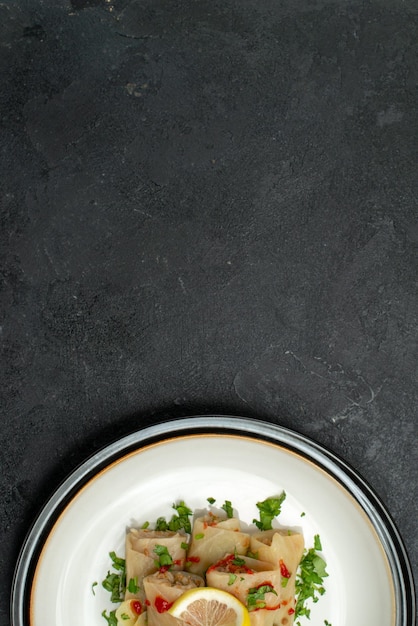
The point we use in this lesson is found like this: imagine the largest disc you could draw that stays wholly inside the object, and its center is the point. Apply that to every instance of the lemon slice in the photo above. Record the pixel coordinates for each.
(207, 606)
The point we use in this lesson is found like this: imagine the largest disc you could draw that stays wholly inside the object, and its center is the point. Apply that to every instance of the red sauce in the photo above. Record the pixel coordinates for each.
(228, 564)
(162, 605)
(283, 570)
(194, 559)
(291, 611)
(136, 607)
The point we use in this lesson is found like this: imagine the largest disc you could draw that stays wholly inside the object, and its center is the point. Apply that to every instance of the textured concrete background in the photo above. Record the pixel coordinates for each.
(207, 207)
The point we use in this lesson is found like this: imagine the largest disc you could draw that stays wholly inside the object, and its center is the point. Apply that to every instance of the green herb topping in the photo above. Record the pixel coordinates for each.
(111, 618)
(115, 583)
(269, 509)
(309, 579)
(164, 557)
(177, 522)
(133, 586)
(227, 507)
(237, 560)
(255, 597)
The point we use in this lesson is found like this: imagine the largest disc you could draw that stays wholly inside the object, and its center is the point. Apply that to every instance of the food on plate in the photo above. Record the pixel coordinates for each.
(146, 551)
(253, 582)
(179, 572)
(212, 537)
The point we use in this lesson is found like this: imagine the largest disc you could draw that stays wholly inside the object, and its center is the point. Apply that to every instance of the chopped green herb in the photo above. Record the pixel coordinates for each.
(232, 579)
(182, 519)
(303, 514)
(184, 545)
(111, 618)
(227, 507)
(199, 536)
(327, 623)
(145, 525)
(252, 555)
(93, 586)
(161, 524)
(177, 522)
(256, 596)
(125, 616)
(133, 586)
(164, 557)
(117, 562)
(269, 509)
(284, 582)
(115, 583)
(211, 500)
(309, 579)
(237, 560)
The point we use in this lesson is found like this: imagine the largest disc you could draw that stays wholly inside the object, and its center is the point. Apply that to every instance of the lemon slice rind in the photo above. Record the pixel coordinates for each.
(210, 594)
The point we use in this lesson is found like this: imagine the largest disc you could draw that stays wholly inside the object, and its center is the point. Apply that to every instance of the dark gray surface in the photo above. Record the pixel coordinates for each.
(207, 207)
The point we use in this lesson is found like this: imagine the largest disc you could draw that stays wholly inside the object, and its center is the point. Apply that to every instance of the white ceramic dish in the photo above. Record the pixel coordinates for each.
(137, 479)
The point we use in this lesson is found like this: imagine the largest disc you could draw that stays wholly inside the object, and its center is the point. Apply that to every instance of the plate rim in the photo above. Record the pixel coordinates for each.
(371, 504)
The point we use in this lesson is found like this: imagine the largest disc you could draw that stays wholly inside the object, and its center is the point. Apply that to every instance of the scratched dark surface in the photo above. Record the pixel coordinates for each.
(207, 207)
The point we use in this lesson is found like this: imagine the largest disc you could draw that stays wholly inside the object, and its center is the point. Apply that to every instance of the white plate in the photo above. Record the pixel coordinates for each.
(138, 478)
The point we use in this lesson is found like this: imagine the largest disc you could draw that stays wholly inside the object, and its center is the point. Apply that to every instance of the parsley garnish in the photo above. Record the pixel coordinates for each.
(177, 522)
(93, 586)
(117, 561)
(309, 579)
(164, 557)
(232, 579)
(133, 586)
(237, 560)
(211, 500)
(252, 555)
(269, 509)
(227, 507)
(255, 597)
(115, 583)
(111, 618)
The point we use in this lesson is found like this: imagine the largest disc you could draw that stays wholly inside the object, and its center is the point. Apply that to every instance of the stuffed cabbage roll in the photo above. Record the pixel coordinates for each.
(278, 546)
(212, 537)
(255, 583)
(284, 551)
(149, 550)
(162, 589)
